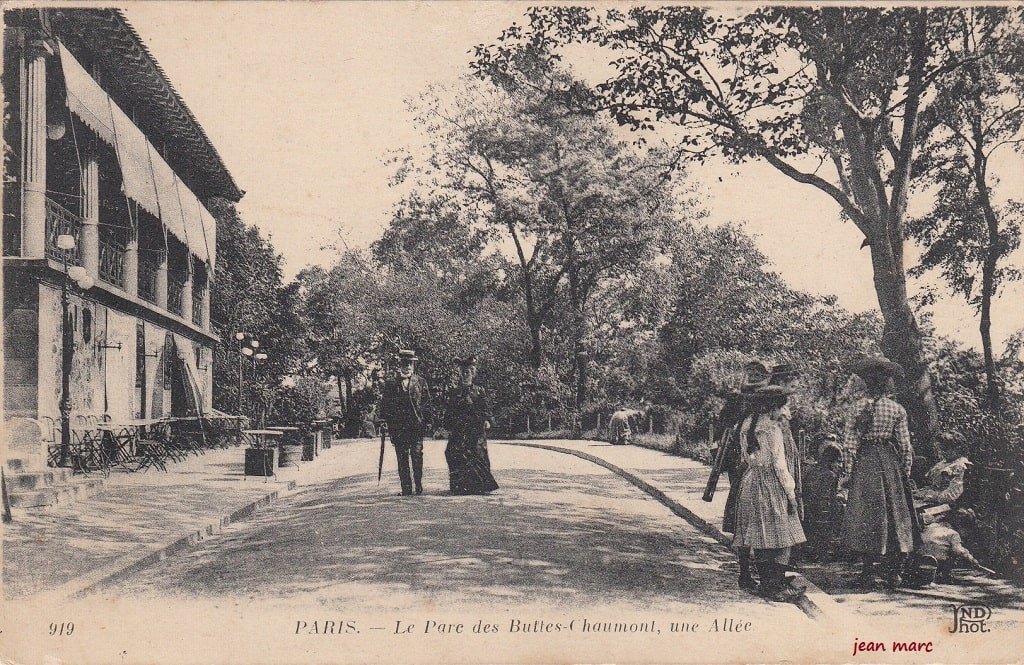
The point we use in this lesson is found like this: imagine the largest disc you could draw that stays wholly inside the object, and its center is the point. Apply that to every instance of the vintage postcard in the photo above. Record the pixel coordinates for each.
(510, 332)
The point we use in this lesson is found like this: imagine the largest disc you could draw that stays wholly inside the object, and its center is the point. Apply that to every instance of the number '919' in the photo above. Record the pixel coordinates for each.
(65, 628)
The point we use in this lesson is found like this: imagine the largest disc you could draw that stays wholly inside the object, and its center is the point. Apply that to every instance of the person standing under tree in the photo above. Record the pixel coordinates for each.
(405, 407)
(468, 417)
(766, 515)
(880, 521)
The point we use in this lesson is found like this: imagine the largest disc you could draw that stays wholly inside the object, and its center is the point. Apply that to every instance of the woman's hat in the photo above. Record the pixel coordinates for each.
(468, 361)
(876, 366)
(406, 355)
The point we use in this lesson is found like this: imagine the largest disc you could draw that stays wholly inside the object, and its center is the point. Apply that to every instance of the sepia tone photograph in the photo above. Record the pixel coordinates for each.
(503, 332)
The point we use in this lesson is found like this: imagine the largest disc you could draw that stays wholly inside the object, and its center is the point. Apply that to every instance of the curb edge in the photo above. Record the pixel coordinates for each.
(814, 601)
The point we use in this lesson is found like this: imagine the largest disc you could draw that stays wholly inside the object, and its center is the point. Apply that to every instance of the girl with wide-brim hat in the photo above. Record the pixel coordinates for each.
(767, 519)
(880, 521)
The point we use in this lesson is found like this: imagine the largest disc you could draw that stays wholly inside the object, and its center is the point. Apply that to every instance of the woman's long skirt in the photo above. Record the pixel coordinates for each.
(762, 513)
(469, 466)
(880, 516)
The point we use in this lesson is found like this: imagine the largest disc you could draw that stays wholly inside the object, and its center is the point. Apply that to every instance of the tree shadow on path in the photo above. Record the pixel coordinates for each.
(545, 537)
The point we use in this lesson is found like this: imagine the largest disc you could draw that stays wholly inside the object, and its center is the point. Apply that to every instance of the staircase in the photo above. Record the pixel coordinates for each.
(51, 487)
(29, 482)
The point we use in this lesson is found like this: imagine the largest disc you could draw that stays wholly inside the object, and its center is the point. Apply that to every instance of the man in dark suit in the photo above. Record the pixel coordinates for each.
(406, 408)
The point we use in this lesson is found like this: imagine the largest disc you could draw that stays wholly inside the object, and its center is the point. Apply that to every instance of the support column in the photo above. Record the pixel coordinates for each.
(131, 263)
(33, 213)
(205, 318)
(91, 215)
(186, 290)
(161, 281)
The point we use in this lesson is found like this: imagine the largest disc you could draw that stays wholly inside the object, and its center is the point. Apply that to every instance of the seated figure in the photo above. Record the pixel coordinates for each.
(941, 547)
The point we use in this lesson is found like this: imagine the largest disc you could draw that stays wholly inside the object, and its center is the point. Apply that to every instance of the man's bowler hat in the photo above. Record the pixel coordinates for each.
(406, 355)
(468, 361)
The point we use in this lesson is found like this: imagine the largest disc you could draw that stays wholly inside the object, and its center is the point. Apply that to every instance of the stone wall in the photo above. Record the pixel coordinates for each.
(103, 380)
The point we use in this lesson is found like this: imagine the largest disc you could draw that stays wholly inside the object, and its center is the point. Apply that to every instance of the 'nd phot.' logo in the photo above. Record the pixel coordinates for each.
(970, 618)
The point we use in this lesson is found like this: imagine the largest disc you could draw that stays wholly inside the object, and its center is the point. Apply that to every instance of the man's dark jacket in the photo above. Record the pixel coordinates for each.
(406, 410)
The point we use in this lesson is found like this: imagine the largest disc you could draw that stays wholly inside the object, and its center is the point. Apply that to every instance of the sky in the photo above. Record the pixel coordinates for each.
(305, 100)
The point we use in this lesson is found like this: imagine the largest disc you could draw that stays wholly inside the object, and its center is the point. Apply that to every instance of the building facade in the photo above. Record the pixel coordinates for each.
(100, 147)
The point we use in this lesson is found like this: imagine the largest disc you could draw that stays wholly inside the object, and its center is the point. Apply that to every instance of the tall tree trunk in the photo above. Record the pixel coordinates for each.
(536, 349)
(988, 272)
(985, 328)
(903, 343)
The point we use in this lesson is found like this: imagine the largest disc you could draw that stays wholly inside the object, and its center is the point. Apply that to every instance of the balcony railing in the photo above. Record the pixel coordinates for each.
(175, 288)
(112, 263)
(61, 221)
(147, 281)
(197, 306)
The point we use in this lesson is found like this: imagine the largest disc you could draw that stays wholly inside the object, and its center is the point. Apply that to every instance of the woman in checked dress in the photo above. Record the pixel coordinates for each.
(880, 521)
(766, 517)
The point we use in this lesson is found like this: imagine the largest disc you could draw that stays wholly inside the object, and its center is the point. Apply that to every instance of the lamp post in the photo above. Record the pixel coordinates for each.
(259, 357)
(247, 345)
(66, 243)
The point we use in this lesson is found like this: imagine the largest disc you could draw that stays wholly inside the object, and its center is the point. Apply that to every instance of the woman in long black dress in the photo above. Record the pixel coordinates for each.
(468, 417)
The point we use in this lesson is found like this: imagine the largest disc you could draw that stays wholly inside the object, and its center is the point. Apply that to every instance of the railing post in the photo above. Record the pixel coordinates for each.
(91, 215)
(33, 212)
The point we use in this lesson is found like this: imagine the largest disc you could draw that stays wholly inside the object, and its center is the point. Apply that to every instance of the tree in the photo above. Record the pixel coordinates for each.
(576, 204)
(797, 88)
(249, 296)
(977, 110)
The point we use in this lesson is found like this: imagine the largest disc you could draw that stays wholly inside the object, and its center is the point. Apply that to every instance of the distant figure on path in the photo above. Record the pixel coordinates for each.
(618, 427)
(766, 515)
(405, 407)
(880, 521)
(468, 417)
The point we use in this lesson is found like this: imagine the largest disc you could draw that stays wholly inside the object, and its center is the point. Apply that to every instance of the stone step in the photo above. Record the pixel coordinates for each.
(56, 496)
(37, 480)
(22, 463)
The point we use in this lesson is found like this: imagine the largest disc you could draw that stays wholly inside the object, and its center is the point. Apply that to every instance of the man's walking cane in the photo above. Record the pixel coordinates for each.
(380, 464)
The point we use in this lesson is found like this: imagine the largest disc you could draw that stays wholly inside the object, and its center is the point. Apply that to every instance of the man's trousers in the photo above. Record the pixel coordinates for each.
(409, 450)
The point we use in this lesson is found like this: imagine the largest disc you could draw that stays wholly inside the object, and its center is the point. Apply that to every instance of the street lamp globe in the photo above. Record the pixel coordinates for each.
(85, 283)
(247, 351)
(239, 336)
(255, 343)
(261, 356)
(77, 273)
(65, 242)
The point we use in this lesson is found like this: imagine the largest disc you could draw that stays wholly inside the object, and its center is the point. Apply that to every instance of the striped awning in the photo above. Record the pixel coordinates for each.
(148, 180)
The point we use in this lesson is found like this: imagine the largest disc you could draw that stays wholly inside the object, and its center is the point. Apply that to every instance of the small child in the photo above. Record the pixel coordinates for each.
(821, 507)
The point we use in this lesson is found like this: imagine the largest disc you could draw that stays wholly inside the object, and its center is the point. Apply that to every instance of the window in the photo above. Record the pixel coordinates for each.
(86, 324)
(140, 355)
